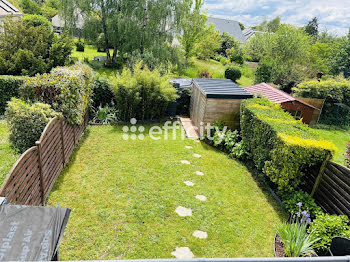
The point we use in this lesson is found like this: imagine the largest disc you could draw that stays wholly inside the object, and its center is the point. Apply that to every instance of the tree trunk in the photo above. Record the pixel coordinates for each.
(104, 26)
(114, 58)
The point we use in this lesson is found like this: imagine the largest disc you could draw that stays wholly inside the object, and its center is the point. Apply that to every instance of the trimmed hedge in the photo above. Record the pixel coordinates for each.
(9, 87)
(233, 73)
(26, 122)
(282, 147)
(66, 89)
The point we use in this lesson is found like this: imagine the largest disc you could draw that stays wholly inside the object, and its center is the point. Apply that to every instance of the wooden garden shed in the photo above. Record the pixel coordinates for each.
(216, 100)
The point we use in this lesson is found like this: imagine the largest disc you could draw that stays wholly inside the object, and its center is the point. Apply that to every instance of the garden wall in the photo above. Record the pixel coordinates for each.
(34, 174)
(331, 188)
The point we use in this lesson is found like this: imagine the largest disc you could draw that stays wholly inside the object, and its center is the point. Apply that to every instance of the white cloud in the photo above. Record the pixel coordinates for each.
(333, 15)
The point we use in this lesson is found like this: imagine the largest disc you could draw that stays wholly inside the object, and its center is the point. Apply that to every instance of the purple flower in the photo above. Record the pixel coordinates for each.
(307, 215)
(304, 213)
(298, 214)
(308, 220)
(302, 220)
(299, 204)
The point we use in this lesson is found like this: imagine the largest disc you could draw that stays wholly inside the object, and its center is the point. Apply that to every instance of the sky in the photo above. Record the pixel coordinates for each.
(333, 15)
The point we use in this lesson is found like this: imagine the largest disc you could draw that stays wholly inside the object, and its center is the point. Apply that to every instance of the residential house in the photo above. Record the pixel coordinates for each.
(228, 26)
(7, 10)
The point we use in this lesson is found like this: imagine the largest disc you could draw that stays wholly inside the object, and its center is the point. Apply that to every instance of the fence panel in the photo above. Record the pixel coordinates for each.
(34, 174)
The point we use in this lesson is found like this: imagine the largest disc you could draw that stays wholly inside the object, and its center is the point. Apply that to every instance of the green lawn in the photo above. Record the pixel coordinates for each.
(340, 137)
(7, 155)
(123, 196)
(217, 70)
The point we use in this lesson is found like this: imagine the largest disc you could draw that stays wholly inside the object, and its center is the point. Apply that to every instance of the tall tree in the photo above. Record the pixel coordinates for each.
(193, 26)
(312, 28)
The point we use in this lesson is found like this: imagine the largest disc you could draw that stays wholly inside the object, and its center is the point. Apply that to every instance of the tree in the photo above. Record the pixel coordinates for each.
(274, 24)
(227, 42)
(312, 28)
(210, 42)
(241, 25)
(192, 25)
(340, 55)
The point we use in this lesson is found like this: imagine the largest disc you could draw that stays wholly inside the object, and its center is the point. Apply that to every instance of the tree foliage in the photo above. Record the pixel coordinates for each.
(312, 28)
(209, 44)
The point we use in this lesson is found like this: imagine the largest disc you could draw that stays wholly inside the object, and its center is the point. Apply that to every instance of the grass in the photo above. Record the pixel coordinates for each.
(217, 70)
(123, 195)
(7, 155)
(340, 137)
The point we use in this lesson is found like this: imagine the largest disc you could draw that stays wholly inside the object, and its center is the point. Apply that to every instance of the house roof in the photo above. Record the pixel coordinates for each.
(249, 32)
(58, 20)
(229, 26)
(221, 89)
(7, 9)
(273, 94)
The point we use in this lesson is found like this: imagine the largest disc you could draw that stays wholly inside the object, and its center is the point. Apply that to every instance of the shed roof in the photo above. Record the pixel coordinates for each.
(7, 9)
(228, 26)
(221, 89)
(273, 94)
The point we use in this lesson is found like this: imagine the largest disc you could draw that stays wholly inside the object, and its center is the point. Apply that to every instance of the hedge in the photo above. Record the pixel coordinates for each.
(282, 147)
(9, 87)
(333, 91)
(66, 89)
(26, 122)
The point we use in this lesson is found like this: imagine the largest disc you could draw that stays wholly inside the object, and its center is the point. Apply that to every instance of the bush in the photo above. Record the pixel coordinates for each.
(26, 122)
(105, 115)
(284, 148)
(102, 94)
(205, 74)
(36, 20)
(143, 95)
(299, 199)
(9, 87)
(334, 91)
(183, 101)
(347, 155)
(236, 55)
(66, 89)
(264, 73)
(325, 227)
(80, 46)
(233, 73)
(29, 46)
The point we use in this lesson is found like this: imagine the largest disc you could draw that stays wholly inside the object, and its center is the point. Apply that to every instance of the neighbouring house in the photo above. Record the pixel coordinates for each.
(250, 32)
(59, 23)
(7, 10)
(228, 26)
(298, 108)
(216, 100)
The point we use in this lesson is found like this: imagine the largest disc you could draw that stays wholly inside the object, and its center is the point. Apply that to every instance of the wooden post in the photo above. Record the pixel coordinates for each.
(62, 141)
(75, 142)
(320, 175)
(42, 184)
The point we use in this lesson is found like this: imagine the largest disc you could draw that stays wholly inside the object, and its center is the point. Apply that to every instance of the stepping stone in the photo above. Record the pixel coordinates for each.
(185, 162)
(183, 253)
(183, 211)
(201, 198)
(200, 234)
(197, 155)
(189, 183)
(188, 147)
(199, 173)
(197, 141)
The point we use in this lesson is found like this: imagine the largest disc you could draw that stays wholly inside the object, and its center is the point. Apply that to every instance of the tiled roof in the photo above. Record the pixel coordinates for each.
(7, 9)
(229, 26)
(249, 32)
(273, 94)
(221, 88)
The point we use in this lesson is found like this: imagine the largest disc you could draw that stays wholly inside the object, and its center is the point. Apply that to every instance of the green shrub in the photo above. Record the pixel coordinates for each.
(36, 20)
(105, 115)
(233, 73)
(264, 73)
(143, 95)
(80, 46)
(26, 122)
(236, 55)
(333, 91)
(9, 87)
(281, 146)
(296, 241)
(66, 89)
(102, 94)
(183, 101)
(299, 200)
(325, 227)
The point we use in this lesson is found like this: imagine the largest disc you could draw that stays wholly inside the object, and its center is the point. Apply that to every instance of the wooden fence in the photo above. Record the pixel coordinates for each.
(330, 186)
(34, 174)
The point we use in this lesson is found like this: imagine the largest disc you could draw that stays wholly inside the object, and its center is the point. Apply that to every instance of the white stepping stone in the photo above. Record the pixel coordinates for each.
(200, 234)
(201, 198)
(189, 183)
(199, 173)
(197, 155)
(188, 147)
(197, 141)
(183, 253)
(185, 162)
(183, 211)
